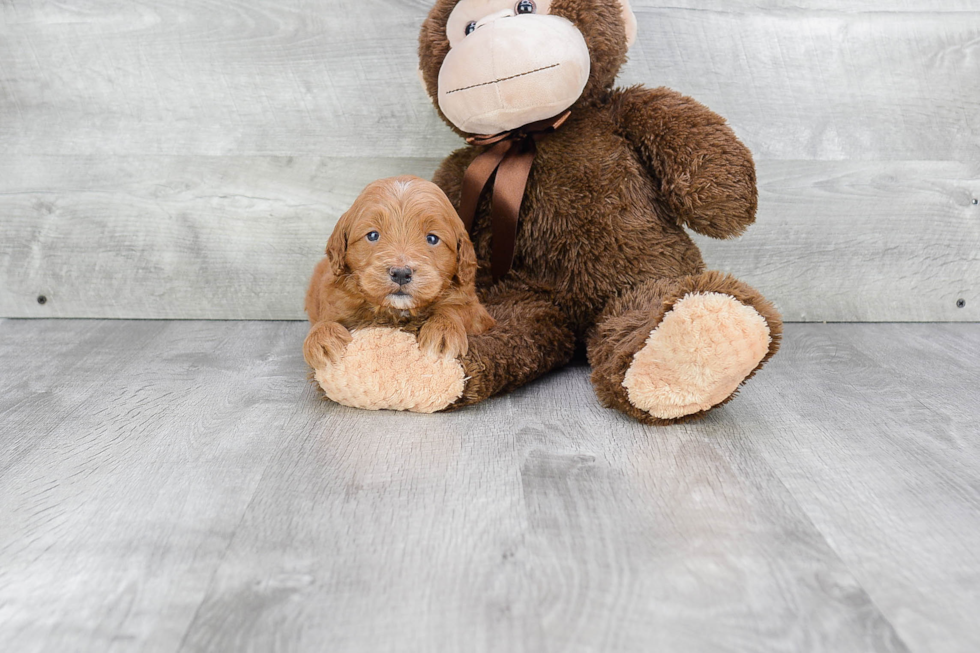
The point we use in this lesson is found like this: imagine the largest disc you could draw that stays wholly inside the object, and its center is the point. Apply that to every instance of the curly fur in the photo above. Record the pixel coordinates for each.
(352, 286)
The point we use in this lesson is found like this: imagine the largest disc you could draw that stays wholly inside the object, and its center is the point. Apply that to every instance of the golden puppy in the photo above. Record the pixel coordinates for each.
(399, 257)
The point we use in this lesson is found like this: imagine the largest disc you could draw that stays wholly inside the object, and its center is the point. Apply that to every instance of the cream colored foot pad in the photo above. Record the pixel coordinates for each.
(697, 356)
(384, 369)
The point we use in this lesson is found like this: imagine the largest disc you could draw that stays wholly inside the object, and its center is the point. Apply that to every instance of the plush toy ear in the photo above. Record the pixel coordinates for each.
(425, 88)
(629, 18)
(337, 245)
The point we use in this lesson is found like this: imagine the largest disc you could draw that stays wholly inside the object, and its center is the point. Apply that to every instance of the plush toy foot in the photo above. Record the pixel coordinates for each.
(384, 369)
(697, 356)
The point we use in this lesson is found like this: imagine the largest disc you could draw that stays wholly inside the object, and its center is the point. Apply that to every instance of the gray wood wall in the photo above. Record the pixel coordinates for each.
(188, 159)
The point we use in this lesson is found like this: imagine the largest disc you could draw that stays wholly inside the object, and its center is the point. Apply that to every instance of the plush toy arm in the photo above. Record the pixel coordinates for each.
(706, 175)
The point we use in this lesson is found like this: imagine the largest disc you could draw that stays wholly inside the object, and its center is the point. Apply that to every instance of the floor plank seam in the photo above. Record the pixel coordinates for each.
(217, 566)
(805, 514)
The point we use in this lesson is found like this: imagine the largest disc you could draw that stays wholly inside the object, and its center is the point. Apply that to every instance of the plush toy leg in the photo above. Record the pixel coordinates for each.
(672, 349)
(384, 369)
(529, 339)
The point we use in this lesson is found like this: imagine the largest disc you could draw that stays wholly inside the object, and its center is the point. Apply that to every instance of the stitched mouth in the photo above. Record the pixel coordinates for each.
(503, 79)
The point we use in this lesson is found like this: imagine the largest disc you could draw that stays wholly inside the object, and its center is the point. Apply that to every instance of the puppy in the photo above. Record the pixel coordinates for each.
(399, 257)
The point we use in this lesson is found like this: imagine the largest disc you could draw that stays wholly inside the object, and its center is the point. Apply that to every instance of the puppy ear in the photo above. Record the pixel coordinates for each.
(465, 276)
(337, 245)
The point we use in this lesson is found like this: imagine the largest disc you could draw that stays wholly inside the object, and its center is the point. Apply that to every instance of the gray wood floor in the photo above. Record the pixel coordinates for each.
(178, 486)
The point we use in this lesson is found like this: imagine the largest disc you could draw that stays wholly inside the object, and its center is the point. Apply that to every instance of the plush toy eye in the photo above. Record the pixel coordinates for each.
(432, 239)
(470, 27)
(525, 7)
(373, 236)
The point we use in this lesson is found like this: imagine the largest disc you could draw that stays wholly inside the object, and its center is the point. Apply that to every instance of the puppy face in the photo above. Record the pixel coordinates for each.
(402, 245)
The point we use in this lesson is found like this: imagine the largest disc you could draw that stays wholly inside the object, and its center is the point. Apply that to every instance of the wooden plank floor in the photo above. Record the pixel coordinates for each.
(179, 486)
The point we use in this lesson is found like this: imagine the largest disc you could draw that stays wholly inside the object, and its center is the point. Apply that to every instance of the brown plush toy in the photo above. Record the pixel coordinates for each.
(576, 195)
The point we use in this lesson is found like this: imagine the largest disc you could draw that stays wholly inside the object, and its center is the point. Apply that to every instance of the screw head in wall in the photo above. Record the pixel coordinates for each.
(960, 303)
(42, 300)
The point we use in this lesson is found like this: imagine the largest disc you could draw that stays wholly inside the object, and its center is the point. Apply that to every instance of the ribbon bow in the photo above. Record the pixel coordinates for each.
(511, 156)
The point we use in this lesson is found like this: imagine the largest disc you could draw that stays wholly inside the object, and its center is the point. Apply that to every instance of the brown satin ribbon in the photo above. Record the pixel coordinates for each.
(511, 155)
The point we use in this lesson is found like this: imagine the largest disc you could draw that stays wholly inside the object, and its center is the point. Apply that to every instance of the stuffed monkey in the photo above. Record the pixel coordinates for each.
(576, 195)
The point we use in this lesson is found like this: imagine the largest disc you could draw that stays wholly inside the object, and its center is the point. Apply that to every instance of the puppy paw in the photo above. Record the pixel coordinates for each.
(325, 343)
(442, 336)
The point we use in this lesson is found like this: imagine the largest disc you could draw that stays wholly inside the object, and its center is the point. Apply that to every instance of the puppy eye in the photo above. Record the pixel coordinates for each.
(373, 236)
(525, 7)
(432, 239)
(470, 27)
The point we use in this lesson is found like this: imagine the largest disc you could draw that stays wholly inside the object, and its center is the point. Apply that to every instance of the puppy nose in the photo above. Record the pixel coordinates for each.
(401, 276)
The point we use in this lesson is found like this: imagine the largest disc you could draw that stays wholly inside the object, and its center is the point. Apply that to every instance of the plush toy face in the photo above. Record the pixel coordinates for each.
(511, 63)
(502, 64)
